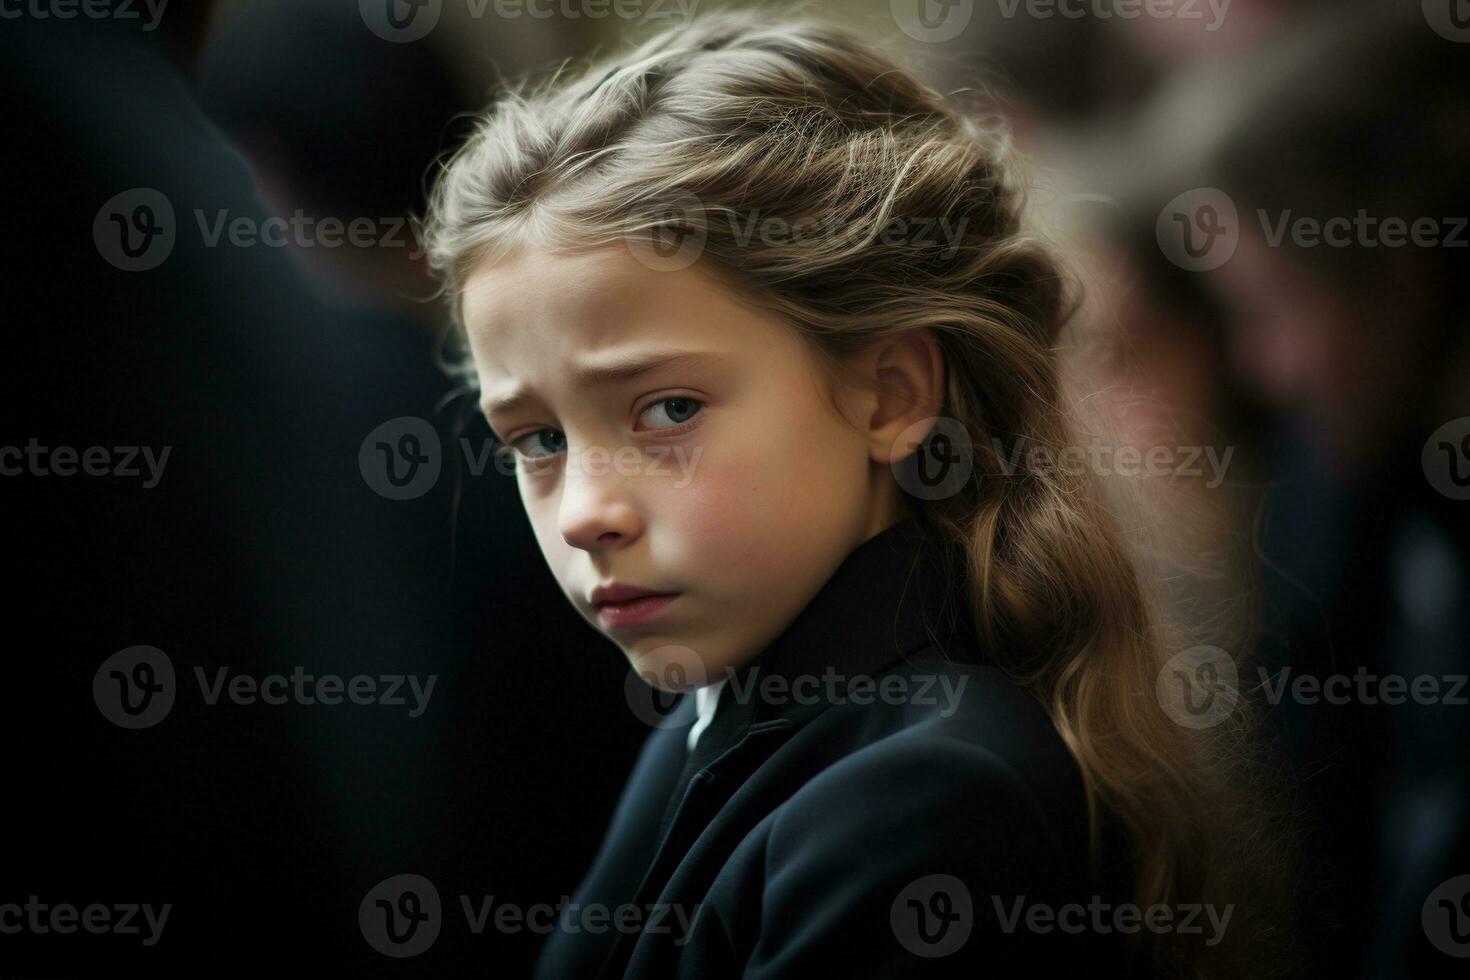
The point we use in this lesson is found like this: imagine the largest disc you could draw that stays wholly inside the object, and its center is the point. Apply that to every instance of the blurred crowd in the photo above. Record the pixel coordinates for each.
(1271, 223)
(1265, 202)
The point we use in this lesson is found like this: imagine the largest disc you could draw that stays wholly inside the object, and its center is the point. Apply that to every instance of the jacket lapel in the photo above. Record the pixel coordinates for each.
(897, 594)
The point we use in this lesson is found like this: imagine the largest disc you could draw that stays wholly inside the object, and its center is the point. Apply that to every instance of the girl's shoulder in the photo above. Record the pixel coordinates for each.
(951, 822)
(958, 748)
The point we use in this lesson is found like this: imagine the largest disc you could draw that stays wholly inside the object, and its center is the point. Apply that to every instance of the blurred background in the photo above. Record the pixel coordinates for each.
(222, 336)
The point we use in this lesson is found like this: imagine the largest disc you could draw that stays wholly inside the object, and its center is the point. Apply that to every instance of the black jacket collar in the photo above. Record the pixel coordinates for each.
(901, 591)
(897, 594)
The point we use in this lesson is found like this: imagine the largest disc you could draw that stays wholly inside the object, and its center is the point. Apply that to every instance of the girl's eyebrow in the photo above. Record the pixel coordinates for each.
(622, 367)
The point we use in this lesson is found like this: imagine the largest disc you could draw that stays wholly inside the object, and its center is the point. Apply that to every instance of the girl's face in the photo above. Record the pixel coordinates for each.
(670, 439)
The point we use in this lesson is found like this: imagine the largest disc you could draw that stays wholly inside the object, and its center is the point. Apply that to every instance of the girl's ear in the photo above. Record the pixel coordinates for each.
(903, 377)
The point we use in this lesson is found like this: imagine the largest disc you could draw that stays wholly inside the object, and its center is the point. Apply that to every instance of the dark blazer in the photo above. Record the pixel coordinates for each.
(805, 833)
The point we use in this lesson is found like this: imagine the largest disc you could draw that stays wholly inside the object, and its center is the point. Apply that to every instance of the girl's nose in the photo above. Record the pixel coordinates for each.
(598, 510)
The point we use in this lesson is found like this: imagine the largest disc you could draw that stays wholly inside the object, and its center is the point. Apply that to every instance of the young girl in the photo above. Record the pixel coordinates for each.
(755, 312)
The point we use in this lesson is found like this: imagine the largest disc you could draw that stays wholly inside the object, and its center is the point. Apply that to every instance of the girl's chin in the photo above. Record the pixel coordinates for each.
(669, 666)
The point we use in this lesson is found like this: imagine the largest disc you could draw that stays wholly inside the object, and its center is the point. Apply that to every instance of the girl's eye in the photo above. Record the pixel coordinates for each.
(541, 443)
(666, 413)
(676, 410)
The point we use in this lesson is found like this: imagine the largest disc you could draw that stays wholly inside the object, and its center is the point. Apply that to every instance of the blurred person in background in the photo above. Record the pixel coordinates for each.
(1071, 70)
(307, 94)
(1338, 370)
(1352, 334)
(337, 122)
(247, 552)
(265, 544)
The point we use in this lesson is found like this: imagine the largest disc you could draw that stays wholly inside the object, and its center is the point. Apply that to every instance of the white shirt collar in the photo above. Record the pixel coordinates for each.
(706, 699)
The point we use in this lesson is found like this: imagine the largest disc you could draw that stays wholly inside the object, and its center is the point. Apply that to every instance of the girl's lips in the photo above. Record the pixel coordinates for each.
(631, 612)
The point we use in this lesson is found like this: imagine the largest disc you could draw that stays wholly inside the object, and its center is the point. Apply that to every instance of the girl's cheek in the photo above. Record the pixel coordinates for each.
(703, 511)
(730, 518)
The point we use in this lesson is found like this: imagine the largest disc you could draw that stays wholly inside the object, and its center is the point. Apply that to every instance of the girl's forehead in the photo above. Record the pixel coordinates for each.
(583, 287)
(568, 304)
(589, 288)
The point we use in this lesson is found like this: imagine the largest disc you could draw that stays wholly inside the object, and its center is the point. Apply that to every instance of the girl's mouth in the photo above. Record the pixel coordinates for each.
(632, 612)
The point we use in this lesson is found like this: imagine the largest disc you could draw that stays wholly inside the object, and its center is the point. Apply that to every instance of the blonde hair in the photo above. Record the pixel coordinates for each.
(743, 114)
